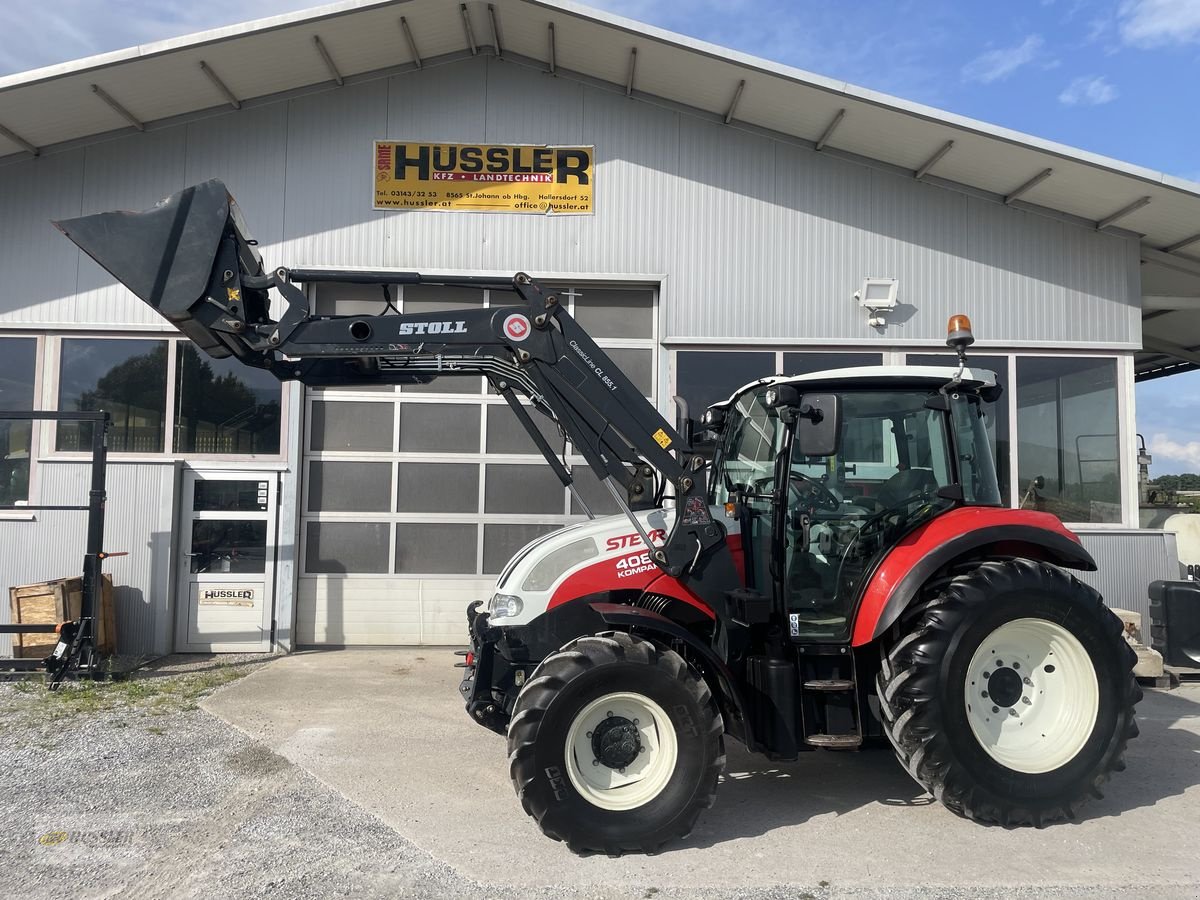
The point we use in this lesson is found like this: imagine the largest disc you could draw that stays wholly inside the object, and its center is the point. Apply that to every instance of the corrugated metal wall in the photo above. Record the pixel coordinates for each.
(755, 238)
(1128, 561)
(759, 238)
(139, 518)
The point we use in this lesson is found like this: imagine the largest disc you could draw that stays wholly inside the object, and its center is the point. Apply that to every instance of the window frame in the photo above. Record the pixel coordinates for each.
(483, 399)
(897, 356)
(51, 379)
(38, 427)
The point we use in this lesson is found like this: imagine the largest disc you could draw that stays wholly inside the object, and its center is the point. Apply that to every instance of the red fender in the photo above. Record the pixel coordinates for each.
(1014, 532)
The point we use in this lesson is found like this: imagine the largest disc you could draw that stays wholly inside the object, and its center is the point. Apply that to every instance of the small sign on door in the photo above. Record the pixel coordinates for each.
(245, 595)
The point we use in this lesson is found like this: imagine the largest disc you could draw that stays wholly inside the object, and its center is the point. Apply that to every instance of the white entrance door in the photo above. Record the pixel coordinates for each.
(227, 571)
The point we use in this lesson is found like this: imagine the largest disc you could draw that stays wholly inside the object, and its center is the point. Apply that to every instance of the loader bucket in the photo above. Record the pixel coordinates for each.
(168, 256)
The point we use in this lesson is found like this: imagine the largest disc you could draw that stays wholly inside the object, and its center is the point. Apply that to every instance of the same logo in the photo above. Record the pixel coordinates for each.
(516, 327)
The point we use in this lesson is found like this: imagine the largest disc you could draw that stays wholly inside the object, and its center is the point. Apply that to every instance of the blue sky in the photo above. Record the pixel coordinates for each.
(1112, 76)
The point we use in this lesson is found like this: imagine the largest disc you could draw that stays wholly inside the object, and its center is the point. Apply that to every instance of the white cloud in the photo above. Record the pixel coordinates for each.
(1155, 23)
(1088, 90)
(1163, 446)
(997, 64)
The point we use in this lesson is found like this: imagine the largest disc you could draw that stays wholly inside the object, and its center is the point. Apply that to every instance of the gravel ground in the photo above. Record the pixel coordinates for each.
(132, 790)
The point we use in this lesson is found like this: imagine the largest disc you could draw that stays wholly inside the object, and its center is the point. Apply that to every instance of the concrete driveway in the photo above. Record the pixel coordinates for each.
(386, 729)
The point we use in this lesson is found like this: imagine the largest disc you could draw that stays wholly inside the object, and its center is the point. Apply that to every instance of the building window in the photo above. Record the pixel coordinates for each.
(18, 360)
(441, 479)
(128, 379)
(1068, 449)
(224, 406)
(221, 407)
(705, 377)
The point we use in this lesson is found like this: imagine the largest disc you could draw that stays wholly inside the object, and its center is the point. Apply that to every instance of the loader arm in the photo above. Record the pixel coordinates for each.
(192, 259)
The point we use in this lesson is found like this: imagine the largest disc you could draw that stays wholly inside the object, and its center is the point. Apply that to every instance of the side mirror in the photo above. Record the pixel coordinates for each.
(818, 425)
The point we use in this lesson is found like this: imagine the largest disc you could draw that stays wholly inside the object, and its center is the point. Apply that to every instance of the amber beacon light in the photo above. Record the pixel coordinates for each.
(958, 333)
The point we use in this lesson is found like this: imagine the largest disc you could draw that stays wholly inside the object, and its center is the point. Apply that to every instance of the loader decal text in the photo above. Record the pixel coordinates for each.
(484, 178)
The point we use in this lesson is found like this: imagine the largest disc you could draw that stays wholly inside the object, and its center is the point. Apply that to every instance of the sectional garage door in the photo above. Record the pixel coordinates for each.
(416, 497)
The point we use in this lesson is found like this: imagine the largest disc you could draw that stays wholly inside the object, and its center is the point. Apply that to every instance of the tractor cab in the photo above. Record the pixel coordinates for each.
(825, 472)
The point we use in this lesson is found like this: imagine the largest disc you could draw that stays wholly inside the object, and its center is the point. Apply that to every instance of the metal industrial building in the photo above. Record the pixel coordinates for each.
(738, 207)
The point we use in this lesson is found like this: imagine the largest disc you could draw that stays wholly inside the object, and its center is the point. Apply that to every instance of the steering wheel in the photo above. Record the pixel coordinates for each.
(812, 494)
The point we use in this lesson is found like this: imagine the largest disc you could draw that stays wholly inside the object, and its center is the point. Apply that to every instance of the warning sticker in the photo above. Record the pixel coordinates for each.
(662, 439)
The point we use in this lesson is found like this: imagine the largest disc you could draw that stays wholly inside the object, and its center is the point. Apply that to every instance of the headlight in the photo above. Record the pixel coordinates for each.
(505, 606)
(550, 567)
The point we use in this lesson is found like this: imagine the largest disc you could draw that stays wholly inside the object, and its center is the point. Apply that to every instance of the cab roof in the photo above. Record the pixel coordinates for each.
(890, 377)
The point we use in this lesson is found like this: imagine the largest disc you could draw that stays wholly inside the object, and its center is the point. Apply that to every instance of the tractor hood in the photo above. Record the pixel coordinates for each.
(601, 555)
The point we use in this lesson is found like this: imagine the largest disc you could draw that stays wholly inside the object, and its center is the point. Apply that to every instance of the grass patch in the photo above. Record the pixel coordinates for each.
(151, 694)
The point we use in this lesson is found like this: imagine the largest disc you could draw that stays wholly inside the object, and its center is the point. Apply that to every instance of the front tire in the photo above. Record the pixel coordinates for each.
(615, 745)
(1010, 697)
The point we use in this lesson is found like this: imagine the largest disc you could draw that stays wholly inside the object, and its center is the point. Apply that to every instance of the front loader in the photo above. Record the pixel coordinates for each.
(827, 561)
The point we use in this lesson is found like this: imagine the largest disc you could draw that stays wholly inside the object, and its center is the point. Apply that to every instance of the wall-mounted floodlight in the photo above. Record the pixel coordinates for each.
(877, 296)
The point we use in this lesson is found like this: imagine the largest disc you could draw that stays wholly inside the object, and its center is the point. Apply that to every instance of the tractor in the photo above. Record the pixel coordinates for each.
(820, 562)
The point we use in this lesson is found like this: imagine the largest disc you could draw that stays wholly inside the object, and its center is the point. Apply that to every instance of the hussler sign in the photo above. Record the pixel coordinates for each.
(484, 178)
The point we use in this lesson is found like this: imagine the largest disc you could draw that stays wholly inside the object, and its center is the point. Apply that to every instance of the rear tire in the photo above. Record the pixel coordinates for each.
(1010, 695)
(592, 777)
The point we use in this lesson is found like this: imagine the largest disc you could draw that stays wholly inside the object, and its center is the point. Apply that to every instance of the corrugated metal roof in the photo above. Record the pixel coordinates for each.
(164, 80)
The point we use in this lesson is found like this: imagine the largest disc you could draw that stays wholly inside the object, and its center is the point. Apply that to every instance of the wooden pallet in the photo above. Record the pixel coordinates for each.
(50, 602)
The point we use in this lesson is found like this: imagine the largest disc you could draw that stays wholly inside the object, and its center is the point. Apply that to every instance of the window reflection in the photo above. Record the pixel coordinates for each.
(224, 406)
(17, 362)
(128, 379)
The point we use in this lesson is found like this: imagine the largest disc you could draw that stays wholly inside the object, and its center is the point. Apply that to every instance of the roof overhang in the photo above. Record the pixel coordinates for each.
(153, 85)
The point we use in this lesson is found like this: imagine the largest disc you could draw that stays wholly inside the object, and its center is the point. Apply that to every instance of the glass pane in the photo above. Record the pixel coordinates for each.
(615, 313)
(334, 299)
(995, 414)
(594, 492)
(349, 486)
(438, 487)
(638, 366)
(352, 425)
(506, 434)
(440, 548)
(522, 489)
(17, 365)
(422, 298)
(342, 547)
(230, 496)
(439, 428)
(501, 542)
(223, 406)
(447, 384)
(16, 438)
(220, 546)
(705, 377)
(807, 363)
(1067, 437)
(128, 378)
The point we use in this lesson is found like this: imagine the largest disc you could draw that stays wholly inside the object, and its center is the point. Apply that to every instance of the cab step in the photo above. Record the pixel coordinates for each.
(834, 741)
(829, 684)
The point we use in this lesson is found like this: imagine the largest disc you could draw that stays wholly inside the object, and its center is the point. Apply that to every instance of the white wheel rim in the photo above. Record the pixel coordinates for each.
(642, 779)
(1032, 695)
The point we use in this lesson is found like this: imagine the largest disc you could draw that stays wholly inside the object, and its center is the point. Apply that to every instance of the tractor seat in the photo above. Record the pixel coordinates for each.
(905, 484)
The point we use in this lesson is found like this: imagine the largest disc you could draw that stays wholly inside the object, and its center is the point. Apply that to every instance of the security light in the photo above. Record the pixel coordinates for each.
(877, 296)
